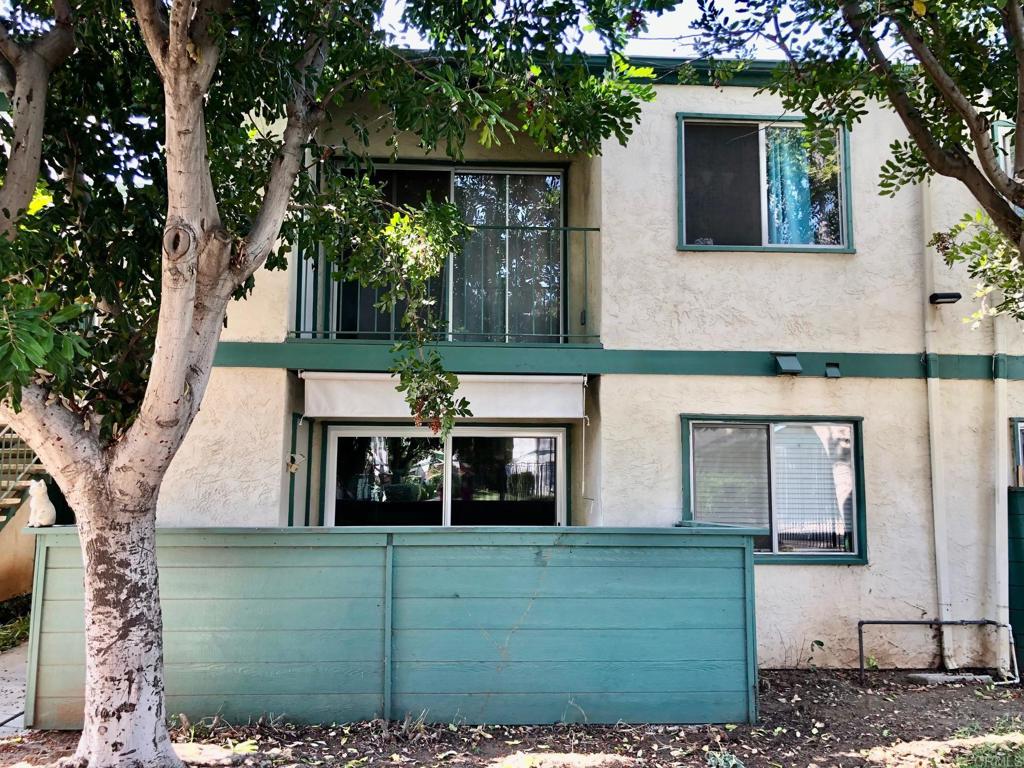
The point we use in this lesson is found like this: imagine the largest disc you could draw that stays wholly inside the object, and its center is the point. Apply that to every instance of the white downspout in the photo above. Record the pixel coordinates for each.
(933, 394)
(1000, 521)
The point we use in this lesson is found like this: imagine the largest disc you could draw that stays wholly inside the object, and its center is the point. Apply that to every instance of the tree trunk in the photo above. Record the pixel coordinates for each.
(125, 715)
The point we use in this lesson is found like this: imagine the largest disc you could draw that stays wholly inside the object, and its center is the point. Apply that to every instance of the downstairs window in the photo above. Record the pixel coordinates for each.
(800, 479)
(477, 476)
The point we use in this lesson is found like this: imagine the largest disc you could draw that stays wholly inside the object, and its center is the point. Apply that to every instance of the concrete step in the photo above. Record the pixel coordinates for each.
(10, 503)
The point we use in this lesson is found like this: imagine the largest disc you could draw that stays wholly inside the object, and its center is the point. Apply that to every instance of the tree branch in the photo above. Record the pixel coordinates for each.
(956, 165)
(31, 67)
(57, 44)
(9, 49)
(1014, 23)
(7, 78)
(57, 436)
(178, 39)
(304, 115)
(977, 125)
(153, 26)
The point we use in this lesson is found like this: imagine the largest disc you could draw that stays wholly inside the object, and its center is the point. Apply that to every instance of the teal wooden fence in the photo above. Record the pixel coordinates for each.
(1016, 553)
(521, 625)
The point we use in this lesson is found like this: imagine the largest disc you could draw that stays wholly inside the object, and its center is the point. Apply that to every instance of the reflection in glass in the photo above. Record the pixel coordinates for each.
(389, 481)
(730, 476)
(504, 481)
(814, 487)
(804, 204)
(507, 280)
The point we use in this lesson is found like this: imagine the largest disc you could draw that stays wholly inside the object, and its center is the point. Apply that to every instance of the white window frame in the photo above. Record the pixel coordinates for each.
(371, 430)
(768, 424)
(760, 126)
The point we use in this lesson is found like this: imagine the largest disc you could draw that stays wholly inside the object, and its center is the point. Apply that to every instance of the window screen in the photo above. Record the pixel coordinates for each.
(796, 479)
(813, 473)
(730, 474)
(759, 184)
(723, 184)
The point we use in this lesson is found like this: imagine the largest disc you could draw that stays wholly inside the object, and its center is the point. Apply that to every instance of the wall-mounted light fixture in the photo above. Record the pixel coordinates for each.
(787, 364)
(832, 371)
(947, 297)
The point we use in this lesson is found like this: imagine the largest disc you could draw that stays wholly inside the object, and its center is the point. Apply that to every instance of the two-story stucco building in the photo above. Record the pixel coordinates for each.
(710, 324)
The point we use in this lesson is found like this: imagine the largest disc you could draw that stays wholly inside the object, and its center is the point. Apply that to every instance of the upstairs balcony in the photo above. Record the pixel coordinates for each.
(521, 277)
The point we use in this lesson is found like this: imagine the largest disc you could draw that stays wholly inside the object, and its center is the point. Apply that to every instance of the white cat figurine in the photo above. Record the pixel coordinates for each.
(41, 510)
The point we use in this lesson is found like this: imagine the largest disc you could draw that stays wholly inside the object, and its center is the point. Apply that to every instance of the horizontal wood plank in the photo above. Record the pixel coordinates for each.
(570, 581)
(528, 708)
(514, 613)
(518, 644)
(569, 677)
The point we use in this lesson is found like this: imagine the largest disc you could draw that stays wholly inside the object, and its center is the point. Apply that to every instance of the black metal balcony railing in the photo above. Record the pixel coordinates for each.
(508, 285)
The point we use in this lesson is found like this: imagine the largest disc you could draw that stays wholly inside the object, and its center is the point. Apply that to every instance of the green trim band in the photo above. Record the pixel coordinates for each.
(755, 74)
(377, 357)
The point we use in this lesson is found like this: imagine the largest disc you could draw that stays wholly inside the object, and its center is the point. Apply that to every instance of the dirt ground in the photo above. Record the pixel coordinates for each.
(807, 718)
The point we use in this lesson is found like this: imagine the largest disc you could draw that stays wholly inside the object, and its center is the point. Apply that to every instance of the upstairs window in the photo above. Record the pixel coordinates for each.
(506, 283)
(799, 479)
(752, 185)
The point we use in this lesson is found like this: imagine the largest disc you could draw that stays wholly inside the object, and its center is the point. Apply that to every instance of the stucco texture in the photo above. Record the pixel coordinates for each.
(231, 468)
(641, 482)
(17, 555)
(869, 301)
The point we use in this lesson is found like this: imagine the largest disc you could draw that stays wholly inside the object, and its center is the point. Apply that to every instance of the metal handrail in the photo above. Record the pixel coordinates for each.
(16, 463)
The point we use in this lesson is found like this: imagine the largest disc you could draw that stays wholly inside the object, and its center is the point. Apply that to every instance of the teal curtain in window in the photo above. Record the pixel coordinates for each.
(789, 188)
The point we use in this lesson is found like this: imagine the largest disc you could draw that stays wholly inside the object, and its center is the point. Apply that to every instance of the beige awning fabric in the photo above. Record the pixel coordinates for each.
(373, 396)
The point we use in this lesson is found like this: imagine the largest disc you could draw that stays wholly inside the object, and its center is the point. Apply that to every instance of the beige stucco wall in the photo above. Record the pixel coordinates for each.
(17, 556)
(644, 294)
(642, 478)
(231, 468)
(864, 302)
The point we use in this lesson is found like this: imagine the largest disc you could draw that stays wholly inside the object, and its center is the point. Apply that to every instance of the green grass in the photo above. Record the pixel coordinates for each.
(992, 756)
(13, 633)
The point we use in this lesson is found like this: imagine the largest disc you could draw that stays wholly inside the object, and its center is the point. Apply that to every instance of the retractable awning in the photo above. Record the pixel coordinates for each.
(373, 396)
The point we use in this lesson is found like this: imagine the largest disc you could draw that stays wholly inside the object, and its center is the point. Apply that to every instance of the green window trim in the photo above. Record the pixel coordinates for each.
(848, 246)
(860, 557)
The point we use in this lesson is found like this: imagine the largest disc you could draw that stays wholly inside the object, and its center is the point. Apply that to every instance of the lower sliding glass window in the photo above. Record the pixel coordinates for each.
(478, 476)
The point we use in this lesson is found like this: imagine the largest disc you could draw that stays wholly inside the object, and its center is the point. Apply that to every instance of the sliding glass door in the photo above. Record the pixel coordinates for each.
(477, 476)
(507, 281)
(505, 284)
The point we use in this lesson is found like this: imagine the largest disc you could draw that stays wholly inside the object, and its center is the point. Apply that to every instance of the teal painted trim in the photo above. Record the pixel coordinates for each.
(377, 357)
(740, 117)
(389, 594)
(323, 472)
(1000, 366)
(860, 557)
(309, 473)
(848, 246)
(35, 628)
(849, 239)
(296, 420)
(372, 356)
(766, 248)
(755, 74)
(680, 185)
(427, 535)
(751, 612)
(764, 558)
(1014, 428)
